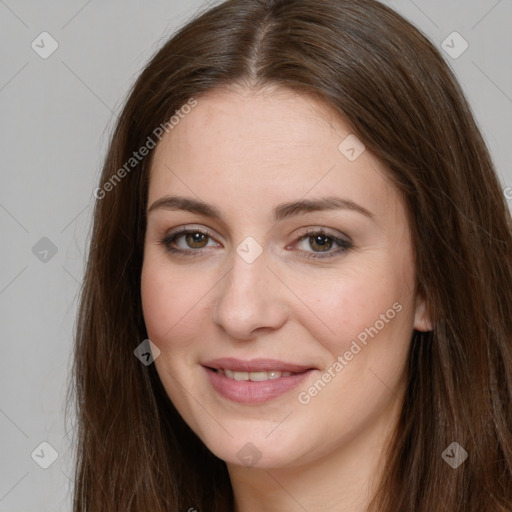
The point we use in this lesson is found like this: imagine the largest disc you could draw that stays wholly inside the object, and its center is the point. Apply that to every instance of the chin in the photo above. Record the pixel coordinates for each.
(253, 449)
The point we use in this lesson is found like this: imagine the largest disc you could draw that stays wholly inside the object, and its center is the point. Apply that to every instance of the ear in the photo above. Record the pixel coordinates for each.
(422, 319)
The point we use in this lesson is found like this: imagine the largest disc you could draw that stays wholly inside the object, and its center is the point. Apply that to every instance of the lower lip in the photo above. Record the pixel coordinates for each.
(246, 391)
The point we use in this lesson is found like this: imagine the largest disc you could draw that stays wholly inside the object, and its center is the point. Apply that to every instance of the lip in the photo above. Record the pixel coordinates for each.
(246, 391)
(255, 365)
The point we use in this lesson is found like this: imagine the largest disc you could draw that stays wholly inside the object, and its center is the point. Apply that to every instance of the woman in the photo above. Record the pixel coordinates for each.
(298, 210)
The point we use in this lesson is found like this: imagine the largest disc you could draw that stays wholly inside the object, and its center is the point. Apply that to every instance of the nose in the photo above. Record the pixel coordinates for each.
(250, 300)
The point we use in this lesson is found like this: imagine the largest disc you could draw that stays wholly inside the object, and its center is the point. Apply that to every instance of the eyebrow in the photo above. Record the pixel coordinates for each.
(280, 212)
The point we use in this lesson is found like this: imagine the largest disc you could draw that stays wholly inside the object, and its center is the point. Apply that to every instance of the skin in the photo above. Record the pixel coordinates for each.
(244, 151)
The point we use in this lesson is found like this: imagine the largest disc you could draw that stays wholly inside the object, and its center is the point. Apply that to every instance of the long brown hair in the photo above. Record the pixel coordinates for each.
(133, 450)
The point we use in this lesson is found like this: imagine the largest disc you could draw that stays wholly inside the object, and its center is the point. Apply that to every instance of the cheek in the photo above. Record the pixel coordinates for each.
(171, 302)
(370, 301)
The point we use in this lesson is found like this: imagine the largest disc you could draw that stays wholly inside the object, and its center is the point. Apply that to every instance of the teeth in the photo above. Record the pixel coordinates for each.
(253, 376)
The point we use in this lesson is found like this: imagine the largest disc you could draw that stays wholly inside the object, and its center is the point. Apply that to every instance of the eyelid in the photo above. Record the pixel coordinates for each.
(341, 240)
(314, 230)
(183, 230)
(170, 236)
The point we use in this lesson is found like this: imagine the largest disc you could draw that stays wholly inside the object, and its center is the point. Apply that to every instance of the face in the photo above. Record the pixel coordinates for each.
(278, 279)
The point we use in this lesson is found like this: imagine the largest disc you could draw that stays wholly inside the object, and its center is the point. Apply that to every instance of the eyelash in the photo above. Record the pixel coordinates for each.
(343, 245)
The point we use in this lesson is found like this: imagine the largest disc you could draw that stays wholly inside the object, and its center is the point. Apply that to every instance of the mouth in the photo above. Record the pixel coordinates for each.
(252, 376)
(234, 365)
(254, 381)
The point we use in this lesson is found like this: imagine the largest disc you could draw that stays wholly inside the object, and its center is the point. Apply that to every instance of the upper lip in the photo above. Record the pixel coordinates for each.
(255, 365)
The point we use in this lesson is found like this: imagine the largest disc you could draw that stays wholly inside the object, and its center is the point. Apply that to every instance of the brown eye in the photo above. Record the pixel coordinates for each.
(188, 242)
(320, 243)
(196, 240)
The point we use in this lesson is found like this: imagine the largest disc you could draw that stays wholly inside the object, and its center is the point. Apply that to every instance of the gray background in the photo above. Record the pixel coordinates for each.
(56, 115)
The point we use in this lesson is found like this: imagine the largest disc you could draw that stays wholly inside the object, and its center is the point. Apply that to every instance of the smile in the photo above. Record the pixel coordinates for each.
(252, 376)
(253, 387)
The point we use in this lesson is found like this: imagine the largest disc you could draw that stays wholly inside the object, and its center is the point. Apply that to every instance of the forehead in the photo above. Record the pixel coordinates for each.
(271, 124)
(273, 144)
